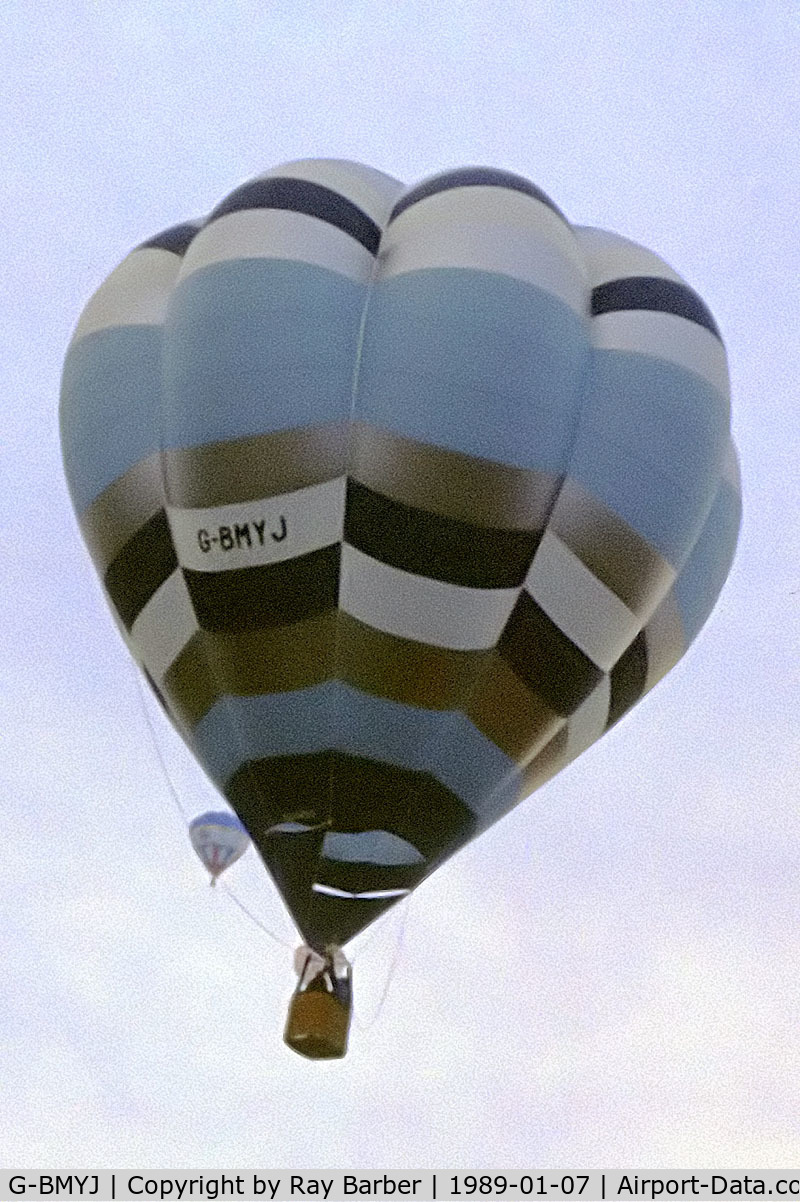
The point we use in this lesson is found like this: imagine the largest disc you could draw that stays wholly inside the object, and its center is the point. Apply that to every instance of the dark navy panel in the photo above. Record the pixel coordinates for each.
(471, 177)
(628, 679)
(142, 566)
(545, 659)
(653, 293)
(438, 547)
(176, 239)
(351, 791)
(301, 196)
(270, 595)
(315, 787)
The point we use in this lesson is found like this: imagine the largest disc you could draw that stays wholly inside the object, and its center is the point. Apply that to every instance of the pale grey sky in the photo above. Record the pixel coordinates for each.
(610, 976)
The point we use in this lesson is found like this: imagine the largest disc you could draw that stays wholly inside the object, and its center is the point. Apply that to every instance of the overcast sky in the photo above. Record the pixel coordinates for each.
(611, 976)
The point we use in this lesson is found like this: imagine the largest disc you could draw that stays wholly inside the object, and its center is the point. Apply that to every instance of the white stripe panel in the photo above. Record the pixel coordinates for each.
(665, 641)
(135, 294)
(664, 336)
(612, 257)
(479, 206)
(374, 192)
(589, 720)
(488, 229)
(505, 250)
(367, 895)
(278, 234)
(247, 534)
(164, 626)
(585, 609)
(380, 894)
(416, 607)
(331, 891)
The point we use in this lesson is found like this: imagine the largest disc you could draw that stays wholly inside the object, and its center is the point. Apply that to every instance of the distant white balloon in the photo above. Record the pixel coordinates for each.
(219, 839)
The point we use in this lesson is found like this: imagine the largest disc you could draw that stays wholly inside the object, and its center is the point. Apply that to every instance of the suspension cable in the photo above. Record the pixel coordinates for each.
(155, 739)
(365, 1024)
(257, 921)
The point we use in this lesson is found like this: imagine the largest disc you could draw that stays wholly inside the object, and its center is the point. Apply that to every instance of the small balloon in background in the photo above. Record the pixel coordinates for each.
(219, 839)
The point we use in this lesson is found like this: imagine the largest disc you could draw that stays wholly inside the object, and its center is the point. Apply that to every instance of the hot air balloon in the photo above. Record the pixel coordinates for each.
(401, 498)
(220, 839)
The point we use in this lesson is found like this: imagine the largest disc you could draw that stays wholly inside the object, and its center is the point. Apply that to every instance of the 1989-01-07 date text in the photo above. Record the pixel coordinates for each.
(533, 1186)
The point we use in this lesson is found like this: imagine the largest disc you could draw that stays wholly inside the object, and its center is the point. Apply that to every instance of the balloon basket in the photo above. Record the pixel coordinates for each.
(318, 1022)
(317, 1025)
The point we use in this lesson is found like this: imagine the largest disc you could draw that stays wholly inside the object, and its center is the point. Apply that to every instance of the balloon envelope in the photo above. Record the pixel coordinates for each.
(219, 840)
(401, 498)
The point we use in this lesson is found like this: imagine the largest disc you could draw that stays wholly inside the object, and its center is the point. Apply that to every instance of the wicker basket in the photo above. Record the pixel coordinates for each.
(317, 1025)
